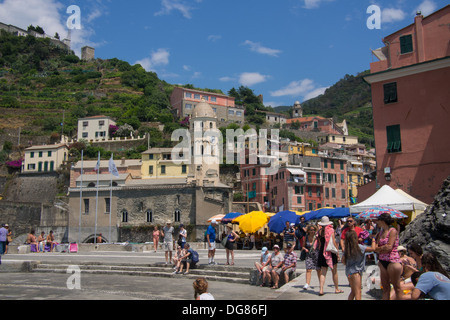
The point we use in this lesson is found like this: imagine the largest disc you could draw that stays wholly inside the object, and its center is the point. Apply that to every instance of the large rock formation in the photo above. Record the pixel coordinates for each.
(431, 229)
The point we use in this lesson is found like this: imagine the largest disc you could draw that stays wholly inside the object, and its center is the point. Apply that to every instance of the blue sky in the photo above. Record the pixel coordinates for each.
(286, 50)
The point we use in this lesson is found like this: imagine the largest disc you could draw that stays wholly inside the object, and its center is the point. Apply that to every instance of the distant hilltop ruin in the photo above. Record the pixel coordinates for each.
(64, 44)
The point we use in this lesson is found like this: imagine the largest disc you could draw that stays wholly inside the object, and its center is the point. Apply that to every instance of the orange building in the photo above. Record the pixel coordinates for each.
(316, 123)
(411, 106)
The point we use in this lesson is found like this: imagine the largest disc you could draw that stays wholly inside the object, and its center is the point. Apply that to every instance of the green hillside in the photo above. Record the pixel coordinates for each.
(41, 83)
(350, 99)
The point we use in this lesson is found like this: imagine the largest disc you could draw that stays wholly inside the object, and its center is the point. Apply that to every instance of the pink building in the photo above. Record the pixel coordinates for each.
(335, 182)
(411, 106)
(184, 100)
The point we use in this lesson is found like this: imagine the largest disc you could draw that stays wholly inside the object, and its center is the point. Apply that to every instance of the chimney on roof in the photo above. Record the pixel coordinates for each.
(122, 162)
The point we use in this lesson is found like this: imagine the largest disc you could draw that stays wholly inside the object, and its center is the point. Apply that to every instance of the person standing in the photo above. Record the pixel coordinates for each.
(183, 235)
(327, 259)
(3, 238)
(351, 225)
(167, 234)
(288, 235)
(353, 259)
(156, 234)
(9, 237)
(229, 247)
(301, 232)
(311, 255)
(389, 262)
(211, 241)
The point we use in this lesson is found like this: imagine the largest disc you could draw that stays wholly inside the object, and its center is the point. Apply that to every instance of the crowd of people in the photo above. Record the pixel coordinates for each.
(403, 273)
(322, 246)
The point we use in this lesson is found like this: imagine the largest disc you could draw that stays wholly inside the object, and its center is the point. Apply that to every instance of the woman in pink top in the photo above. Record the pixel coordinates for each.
(389, 259)
(155, 238)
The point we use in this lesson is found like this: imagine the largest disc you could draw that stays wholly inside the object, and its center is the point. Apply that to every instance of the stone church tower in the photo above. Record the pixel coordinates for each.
(206, 151)
(297, 112)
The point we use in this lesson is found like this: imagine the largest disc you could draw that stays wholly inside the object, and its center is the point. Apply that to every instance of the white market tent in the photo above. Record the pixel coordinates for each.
(387, 197)
(418, 205)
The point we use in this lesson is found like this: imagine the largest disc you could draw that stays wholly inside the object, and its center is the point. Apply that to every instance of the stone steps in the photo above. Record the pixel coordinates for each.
(211, 273)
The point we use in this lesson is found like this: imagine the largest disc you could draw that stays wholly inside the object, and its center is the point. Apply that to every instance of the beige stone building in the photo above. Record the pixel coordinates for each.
(94, 128)
(45, 158)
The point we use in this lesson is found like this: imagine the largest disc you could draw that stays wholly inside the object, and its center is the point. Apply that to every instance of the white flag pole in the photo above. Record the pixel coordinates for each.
(81, 198)
(96, 199)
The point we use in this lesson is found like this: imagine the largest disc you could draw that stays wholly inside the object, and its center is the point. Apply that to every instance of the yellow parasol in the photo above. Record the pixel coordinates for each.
(252, 222)
(301, 213)
(270, 214)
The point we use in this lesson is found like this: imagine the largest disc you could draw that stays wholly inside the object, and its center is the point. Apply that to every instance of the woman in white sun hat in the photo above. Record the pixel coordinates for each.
(328, 253)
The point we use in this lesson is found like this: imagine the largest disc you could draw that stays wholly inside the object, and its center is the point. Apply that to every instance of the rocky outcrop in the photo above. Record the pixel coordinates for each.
(431, 229)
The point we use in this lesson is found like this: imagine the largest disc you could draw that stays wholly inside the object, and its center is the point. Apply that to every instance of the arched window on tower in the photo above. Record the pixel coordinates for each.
(124, 216)
(177, 216)
(149, 216)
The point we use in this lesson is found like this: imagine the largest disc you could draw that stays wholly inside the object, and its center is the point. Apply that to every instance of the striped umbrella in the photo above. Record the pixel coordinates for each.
(218, 218)
(375, 212)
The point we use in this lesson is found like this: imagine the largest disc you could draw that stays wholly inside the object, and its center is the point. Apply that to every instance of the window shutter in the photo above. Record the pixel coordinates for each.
(406, 44)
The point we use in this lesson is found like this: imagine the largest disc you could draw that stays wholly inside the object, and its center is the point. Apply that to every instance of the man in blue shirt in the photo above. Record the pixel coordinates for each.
(211, 241)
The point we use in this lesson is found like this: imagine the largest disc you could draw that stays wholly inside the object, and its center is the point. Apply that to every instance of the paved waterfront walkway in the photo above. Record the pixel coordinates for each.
(41, 286)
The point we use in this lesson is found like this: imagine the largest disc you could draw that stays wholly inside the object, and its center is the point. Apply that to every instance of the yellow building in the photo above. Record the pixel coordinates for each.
(157, 163)
(338, 139)
(300, 148)
(355, 179)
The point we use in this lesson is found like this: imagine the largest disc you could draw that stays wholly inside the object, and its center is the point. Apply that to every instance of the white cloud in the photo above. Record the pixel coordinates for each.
(257, 47)
(158, 58)
(96, 13)
(315, 93)
(51, 15)
(392, 15)
(295, 88)
(273, 104)
(305, 88)
(184, 7)
(427, 7)
(313, 4)
(252, 78)
(196, 75)
(227, 79)
(214, 37)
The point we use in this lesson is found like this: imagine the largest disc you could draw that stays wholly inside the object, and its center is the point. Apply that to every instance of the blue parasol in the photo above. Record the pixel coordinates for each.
(278, 222)
(230, 217)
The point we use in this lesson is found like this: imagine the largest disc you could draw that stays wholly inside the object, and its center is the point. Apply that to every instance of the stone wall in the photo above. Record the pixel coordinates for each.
(39, 188)
(431, 229)
(23, 217)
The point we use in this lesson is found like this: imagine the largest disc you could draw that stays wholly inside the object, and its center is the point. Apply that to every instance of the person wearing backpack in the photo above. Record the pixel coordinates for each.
(188, 259)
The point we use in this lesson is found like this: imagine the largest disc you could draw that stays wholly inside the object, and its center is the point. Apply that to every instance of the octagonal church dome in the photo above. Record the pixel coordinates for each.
(203, 110)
